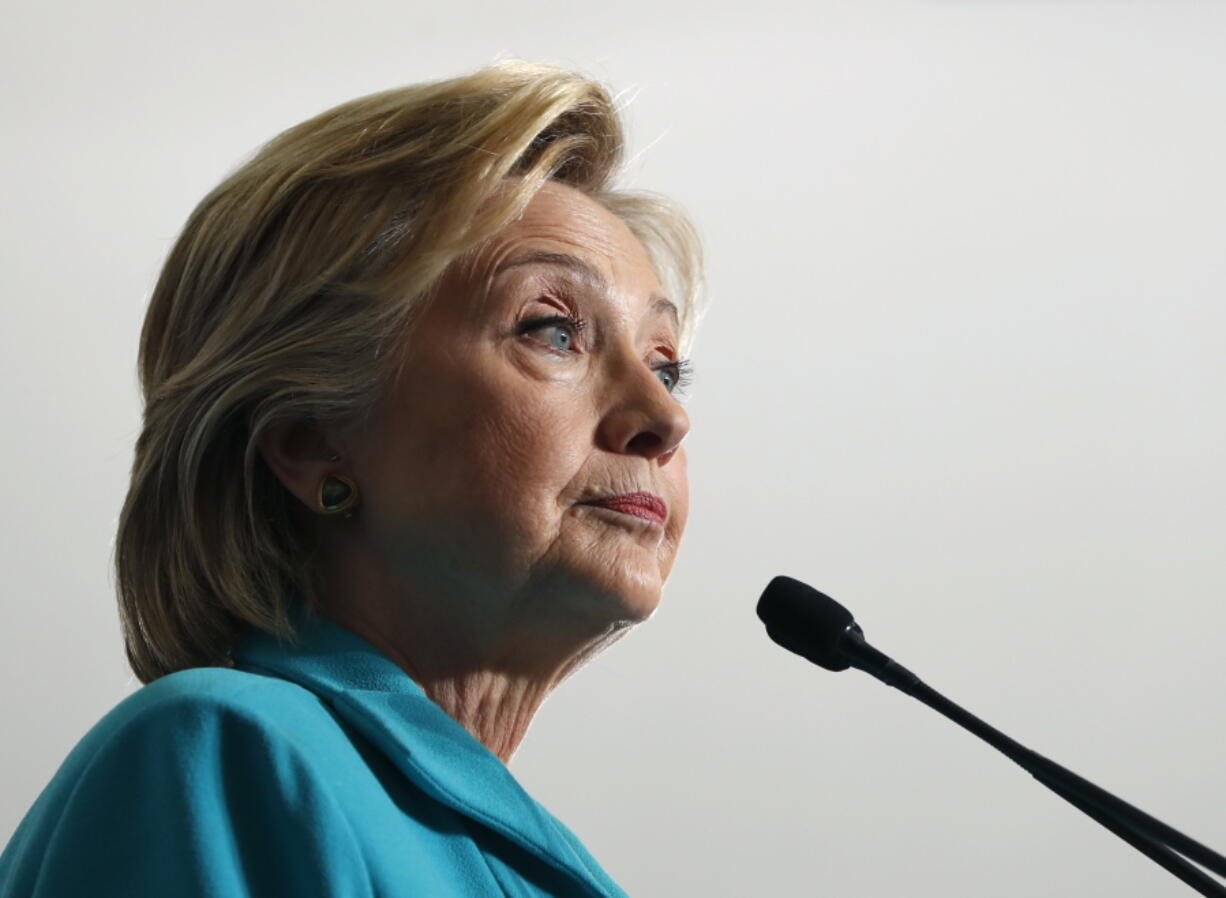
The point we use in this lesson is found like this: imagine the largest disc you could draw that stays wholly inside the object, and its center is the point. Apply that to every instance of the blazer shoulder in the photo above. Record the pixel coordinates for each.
(184, 719)
(209, 765)
(202, 692)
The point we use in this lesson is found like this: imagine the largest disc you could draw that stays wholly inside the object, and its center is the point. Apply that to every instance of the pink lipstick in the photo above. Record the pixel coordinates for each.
(642, 505)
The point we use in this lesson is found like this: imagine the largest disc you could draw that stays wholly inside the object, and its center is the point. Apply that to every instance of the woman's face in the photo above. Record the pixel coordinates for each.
(537, 381)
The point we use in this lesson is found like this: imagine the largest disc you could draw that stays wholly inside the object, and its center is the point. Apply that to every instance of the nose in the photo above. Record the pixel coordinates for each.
(642, 417)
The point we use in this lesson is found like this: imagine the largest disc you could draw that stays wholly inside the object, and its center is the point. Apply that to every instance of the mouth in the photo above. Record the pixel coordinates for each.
(647, 506)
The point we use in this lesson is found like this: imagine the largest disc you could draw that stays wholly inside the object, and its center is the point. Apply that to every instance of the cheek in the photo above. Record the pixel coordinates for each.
(485, 478)
(679, 474)
(679, 509)
(525, 446)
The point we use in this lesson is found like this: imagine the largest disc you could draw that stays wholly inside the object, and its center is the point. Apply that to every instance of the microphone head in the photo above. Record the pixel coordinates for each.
(805, 621)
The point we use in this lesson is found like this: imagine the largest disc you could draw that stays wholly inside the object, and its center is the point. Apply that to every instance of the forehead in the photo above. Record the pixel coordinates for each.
(562, 212)
(561, 233)
(565, 221)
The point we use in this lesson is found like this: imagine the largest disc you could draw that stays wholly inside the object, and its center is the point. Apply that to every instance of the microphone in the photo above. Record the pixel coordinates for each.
(816, 627)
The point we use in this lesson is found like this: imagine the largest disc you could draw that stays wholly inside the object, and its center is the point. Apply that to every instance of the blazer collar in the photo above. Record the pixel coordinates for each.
(373, 694)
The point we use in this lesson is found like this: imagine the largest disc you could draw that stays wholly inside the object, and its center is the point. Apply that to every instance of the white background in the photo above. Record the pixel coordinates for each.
(963, 369)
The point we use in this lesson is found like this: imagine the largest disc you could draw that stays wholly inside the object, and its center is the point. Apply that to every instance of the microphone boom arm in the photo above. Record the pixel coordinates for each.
(1147, 834)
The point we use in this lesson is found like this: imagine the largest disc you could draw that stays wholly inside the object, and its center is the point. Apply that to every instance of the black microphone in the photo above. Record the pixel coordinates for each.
(815, 626)
(818, 628)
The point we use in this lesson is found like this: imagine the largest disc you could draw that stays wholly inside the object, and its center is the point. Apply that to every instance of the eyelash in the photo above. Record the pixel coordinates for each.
(682, 369)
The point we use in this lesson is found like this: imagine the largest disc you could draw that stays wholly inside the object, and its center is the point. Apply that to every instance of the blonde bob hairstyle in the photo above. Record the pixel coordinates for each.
(285, 299)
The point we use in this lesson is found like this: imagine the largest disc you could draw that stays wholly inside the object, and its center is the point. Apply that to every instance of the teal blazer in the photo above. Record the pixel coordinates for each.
(313, 770)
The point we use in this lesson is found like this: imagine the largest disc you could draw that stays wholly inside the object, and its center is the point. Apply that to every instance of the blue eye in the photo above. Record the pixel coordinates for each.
(561, 330)
(562, 333)
(674, 375)
(560, 338)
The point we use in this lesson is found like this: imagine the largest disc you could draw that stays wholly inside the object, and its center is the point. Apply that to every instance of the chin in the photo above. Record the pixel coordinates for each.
(637, 609)
(632, 600)
(602, 601)
(614, 575)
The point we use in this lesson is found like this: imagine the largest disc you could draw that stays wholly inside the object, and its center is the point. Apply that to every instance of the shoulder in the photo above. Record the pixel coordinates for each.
(205, 764)
(190, 734)
(196, 715)
(192, 731)
(219, 690)
(186, 703)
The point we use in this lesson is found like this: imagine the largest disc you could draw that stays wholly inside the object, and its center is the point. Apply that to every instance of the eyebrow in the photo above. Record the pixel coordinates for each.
(587, 273)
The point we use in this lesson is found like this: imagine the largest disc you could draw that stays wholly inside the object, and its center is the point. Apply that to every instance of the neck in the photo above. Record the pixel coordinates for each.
(490, 679)
(495, 708)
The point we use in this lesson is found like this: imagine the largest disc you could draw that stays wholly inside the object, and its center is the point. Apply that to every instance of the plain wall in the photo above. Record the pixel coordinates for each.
(963, 369)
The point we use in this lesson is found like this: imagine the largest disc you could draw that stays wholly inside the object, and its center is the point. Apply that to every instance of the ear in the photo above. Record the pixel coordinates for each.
(300, 456)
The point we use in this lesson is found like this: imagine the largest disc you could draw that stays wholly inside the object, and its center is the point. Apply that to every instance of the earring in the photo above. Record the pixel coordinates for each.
(337, 493)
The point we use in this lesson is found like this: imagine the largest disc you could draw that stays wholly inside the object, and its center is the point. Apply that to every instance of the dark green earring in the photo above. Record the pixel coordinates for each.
(337, 493)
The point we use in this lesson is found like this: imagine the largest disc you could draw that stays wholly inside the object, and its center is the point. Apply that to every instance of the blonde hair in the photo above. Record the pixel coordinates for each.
(285, 299)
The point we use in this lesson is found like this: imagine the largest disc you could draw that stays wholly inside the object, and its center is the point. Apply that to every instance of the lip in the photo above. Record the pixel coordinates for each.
(644, 505)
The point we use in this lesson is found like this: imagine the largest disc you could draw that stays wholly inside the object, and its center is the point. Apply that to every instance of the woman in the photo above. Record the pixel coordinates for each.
(411, 455)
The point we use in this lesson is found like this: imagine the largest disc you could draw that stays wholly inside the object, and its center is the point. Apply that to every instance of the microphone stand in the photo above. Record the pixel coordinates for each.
(1147, 834)
(1151, 848)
